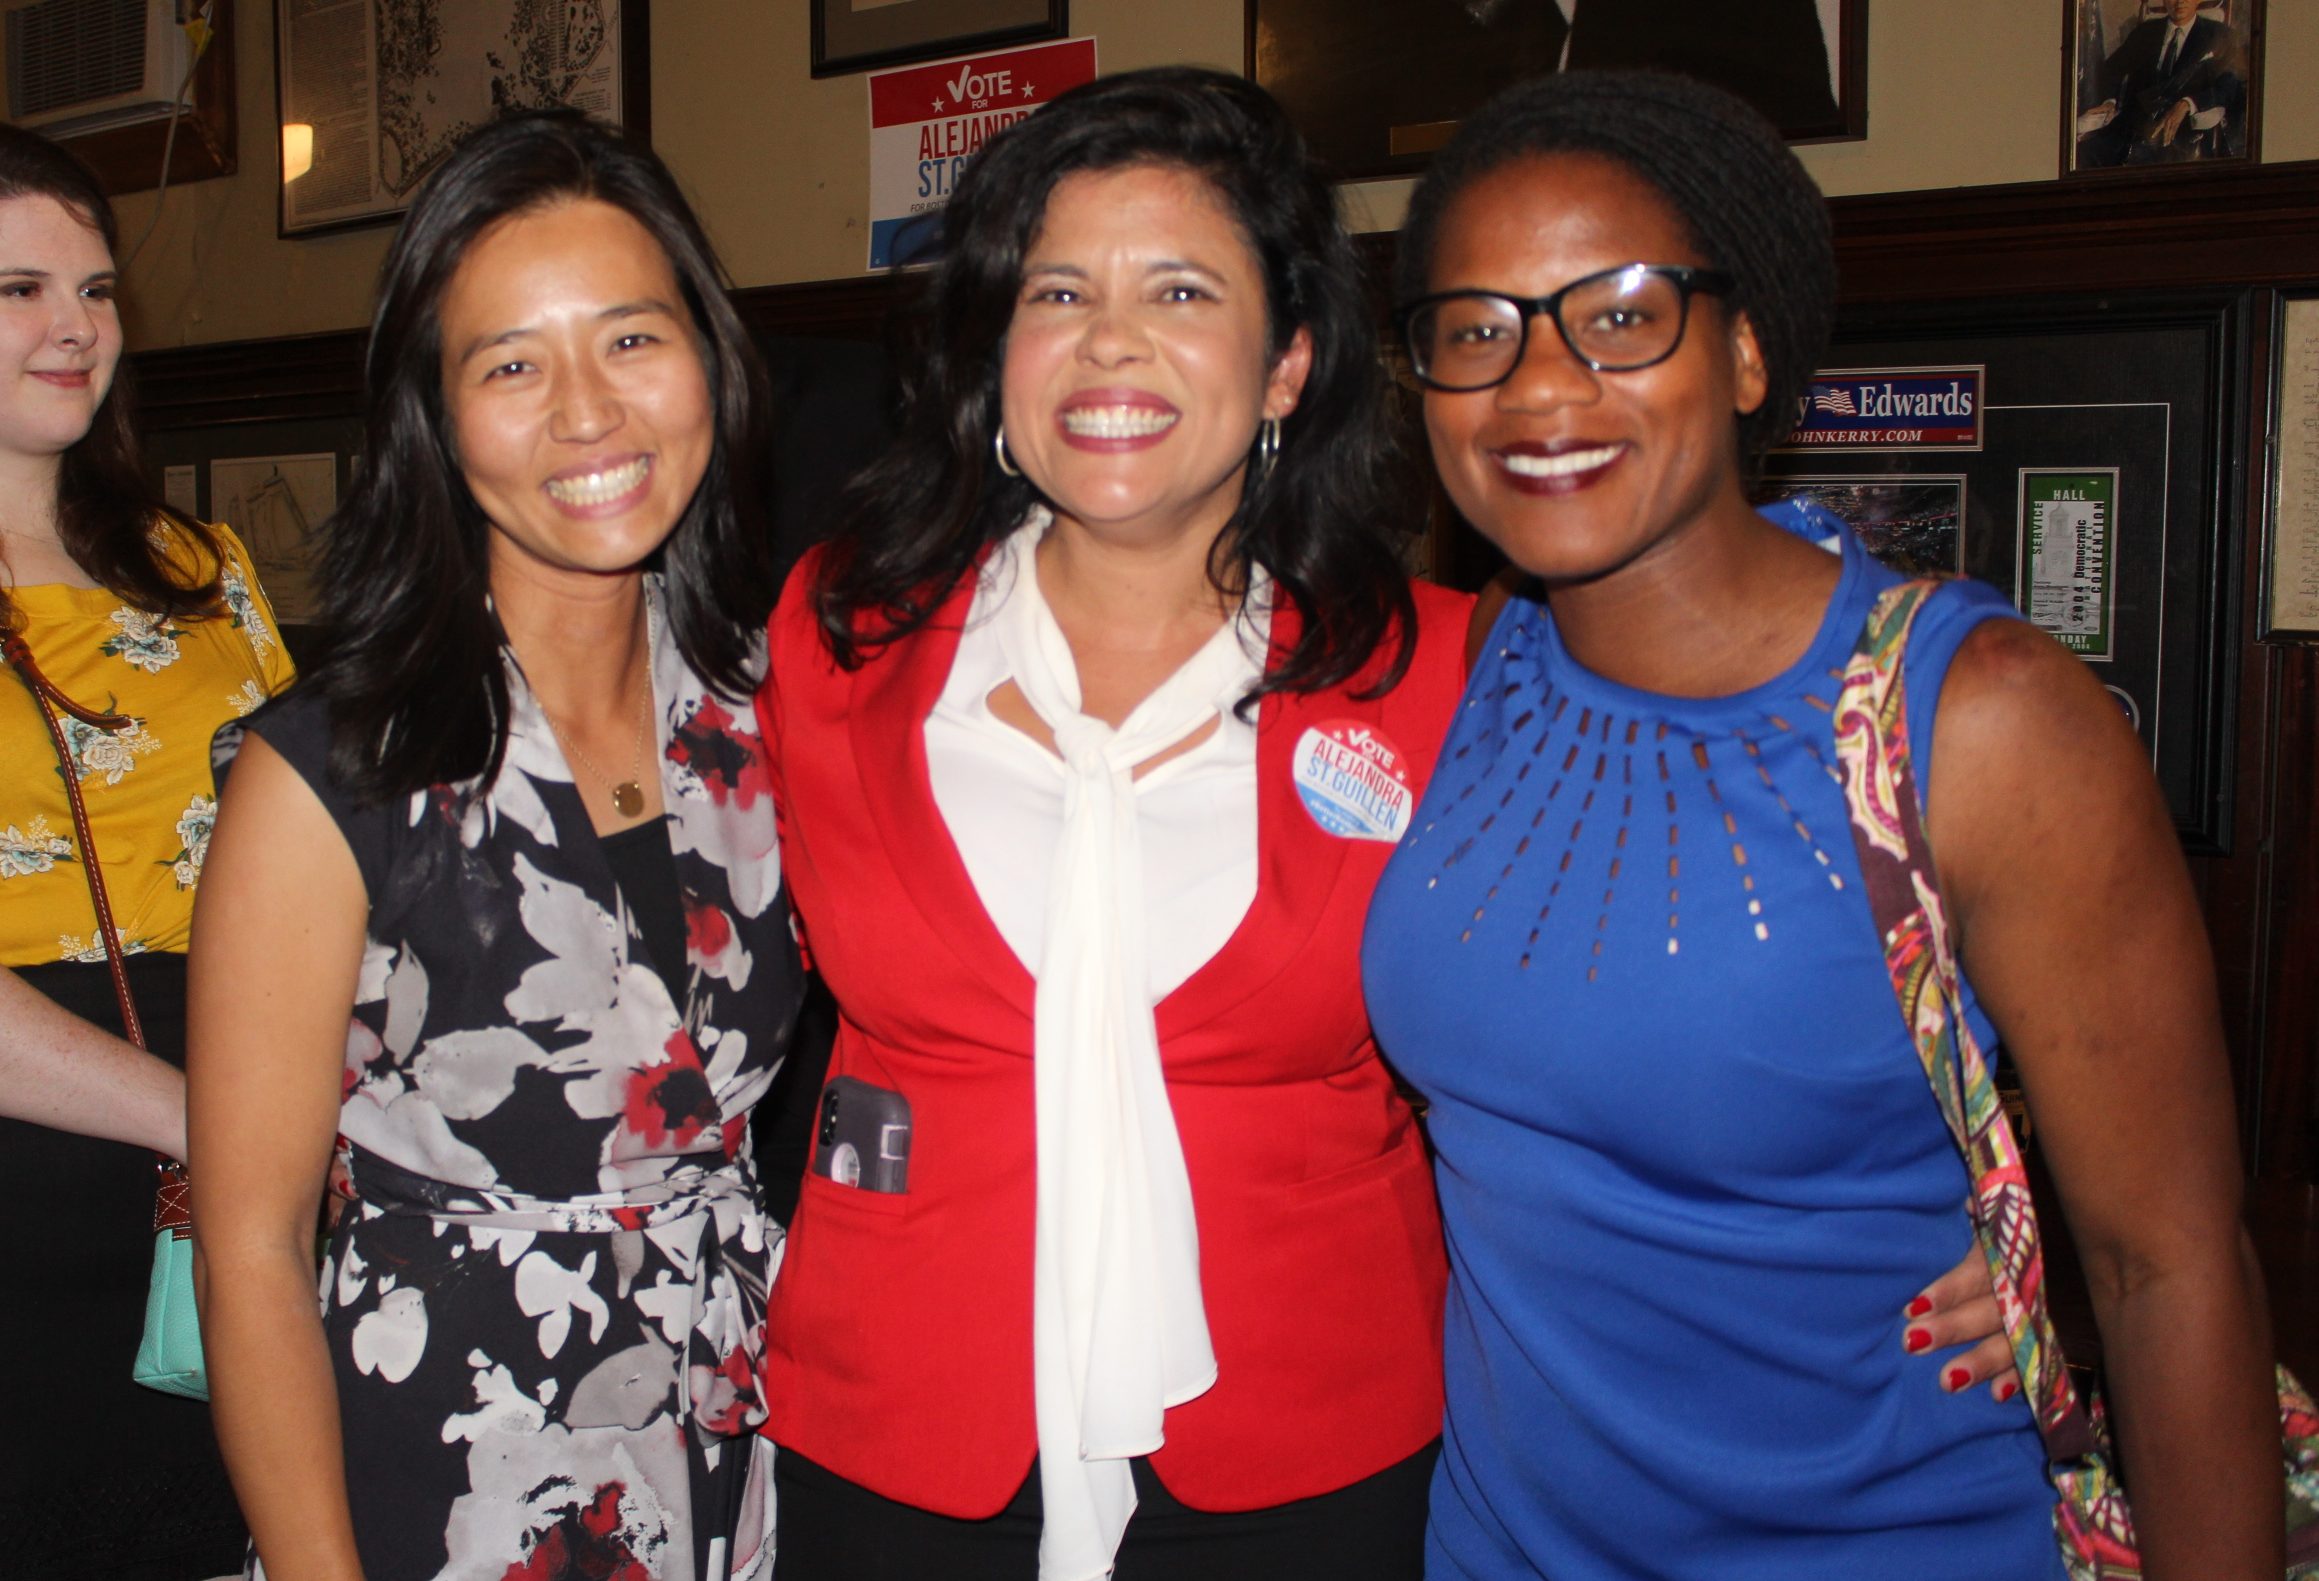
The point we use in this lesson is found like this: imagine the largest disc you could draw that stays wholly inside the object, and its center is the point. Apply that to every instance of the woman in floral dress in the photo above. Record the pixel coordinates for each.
(132, 609)
(497, 900)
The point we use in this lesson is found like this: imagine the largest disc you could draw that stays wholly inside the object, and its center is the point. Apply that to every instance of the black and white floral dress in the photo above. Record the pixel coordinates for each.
(545, 1311)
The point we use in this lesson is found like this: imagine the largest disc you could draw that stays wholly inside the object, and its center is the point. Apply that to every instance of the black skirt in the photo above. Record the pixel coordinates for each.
(833, 1529)
(99, 1477)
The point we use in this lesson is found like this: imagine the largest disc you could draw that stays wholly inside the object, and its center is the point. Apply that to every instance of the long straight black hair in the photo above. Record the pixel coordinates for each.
(418, 694)
(105, 510)
(1321, 518)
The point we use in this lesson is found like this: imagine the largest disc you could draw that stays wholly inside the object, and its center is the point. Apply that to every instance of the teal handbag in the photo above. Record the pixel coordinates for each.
(169, 1354)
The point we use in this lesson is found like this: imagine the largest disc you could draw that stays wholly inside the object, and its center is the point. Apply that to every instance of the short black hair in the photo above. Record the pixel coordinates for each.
(1751, 209)
(418, 695)
(1321, 519)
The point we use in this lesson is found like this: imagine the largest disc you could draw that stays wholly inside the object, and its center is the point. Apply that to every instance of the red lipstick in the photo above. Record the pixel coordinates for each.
(1556, 466)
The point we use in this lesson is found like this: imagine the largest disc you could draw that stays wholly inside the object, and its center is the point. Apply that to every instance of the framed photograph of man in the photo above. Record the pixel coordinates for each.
(2161, 82)
(1377, 85)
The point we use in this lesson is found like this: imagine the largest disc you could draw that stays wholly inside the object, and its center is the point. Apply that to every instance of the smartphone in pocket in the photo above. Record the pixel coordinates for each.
(862, 1136)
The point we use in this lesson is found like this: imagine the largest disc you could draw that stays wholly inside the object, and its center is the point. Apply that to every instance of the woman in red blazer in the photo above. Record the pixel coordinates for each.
(1178, 454)
(1093, 728)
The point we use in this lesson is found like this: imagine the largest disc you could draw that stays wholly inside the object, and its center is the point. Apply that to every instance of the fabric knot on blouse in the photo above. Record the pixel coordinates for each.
(1119, 1330)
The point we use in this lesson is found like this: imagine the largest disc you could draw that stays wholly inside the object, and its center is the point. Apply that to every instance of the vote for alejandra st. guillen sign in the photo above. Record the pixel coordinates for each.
(928, 122)
(1890, 409)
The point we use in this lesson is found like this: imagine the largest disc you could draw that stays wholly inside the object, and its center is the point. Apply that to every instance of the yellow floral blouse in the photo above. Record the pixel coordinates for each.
(150, 795)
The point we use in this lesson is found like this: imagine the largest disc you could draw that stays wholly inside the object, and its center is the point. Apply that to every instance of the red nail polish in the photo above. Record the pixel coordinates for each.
(1955, 1378)
(1917, 1339)
(2008, 1389)
(1920, 1307)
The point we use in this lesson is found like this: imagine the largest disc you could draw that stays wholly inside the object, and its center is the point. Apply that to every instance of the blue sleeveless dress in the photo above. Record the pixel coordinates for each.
(1689, 1167)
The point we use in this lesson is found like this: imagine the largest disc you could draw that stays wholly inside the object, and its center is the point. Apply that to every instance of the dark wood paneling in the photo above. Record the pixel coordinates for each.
(249, 381)
(2179, 226)
(256, 381)
(2287, 1107)
(855, 309)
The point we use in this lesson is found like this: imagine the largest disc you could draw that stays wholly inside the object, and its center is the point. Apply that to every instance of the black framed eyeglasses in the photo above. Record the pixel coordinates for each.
(1615, 322)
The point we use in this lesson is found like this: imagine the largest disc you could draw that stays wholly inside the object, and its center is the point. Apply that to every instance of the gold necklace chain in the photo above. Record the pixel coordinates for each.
(627, 794)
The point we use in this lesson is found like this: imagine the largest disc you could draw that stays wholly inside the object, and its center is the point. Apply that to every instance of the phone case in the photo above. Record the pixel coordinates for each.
(862, 1136)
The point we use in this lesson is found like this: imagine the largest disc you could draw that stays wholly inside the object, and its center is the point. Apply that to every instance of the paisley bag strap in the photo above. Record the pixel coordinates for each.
(1896, 867)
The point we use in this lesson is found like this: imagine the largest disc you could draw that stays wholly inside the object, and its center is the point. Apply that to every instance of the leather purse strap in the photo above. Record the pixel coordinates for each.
(172, 1208)
(50, 702)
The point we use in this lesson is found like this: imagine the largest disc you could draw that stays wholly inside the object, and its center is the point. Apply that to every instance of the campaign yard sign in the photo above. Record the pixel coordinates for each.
(1890, 409)
(928, 122)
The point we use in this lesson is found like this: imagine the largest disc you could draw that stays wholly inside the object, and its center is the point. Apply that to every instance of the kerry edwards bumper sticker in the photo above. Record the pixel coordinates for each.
(1354, 781)
(1889, 409)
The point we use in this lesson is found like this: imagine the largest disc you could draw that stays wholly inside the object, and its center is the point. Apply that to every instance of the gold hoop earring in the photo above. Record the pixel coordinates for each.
(998, 445)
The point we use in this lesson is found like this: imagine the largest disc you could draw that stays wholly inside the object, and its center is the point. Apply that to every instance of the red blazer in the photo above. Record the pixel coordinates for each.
(899, 1330)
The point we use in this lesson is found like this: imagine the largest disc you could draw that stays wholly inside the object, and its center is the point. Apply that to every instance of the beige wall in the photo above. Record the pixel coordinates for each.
(1960, 93)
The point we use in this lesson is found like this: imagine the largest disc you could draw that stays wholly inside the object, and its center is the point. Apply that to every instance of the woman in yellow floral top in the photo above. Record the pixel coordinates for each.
(148, 788)
(126, 608)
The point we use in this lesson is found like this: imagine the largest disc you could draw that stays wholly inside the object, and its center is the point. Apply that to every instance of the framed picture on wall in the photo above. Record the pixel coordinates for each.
(275, 503)
(856, 35)
(2290, 591)
(2101, 493)
(1912, 521)
(1377, 85)
(272, 481)
(385, 88)
(2153, 83)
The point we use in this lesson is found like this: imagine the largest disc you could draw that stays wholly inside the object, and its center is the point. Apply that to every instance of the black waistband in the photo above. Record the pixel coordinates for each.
(156, 982)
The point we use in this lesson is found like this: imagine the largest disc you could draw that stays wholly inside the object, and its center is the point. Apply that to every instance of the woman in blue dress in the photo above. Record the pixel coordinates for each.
(1688, 1161)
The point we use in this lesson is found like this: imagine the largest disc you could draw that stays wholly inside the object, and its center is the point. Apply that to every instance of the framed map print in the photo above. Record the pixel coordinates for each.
(390, 86)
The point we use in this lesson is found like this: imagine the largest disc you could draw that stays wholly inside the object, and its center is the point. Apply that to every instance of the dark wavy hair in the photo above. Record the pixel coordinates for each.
(1321, 519)
(105, 510)
(1750, 207)
(418, 695)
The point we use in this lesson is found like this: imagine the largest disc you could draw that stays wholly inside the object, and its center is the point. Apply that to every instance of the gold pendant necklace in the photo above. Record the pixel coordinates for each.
(627, 794)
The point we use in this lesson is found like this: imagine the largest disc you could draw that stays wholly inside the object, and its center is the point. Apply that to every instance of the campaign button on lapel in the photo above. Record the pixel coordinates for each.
(1353, 781)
